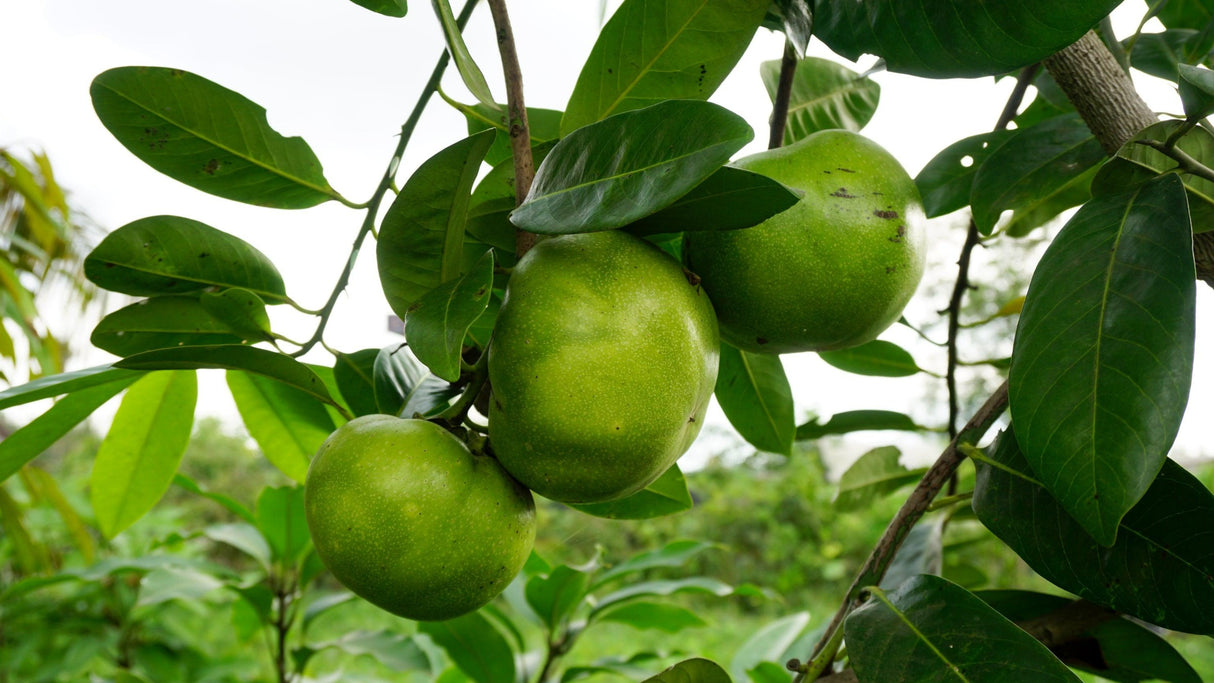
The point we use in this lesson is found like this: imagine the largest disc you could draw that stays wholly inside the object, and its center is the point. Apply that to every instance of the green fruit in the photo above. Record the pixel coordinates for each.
(407, 517)
(602, 362)
(831, 272)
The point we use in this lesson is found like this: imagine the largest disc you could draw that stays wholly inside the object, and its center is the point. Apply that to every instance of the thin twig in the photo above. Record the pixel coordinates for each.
(520, 133)
(779, 108)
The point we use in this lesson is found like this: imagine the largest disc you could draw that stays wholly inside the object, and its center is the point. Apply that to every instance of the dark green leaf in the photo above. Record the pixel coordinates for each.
(468, 70)
(390, 8)
(754, 393)
(1169, 533)
(396, 651)
(921, 553)
(665, 496)
(280, 518)
(1158, 54)
(955, 38)
(655, 50)
(438, 322)
(1196, 91)
(1032, 167)
(137, 459)
(241, 310)
(543, 125)
(692, 671)
(856, 421)
(207, 137)
(175, 255)
(933, 630)
(63, 383)
(946, 181)
(394, 375)
(430, 397)
(876, 358)
(873, 476)
(476, 647)
(554, 596)
(617, 171)
(796, 19)
(161, 322)
(729, 199)
(673, 554)
(288, 424)
(824, 95)
(1073, 192)
(421, 241)
(654, 616)
(354, 373)
(1103, 354)
(1194, 14)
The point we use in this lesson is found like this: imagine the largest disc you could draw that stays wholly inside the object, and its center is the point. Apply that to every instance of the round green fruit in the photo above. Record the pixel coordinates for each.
(831, 272)
(404, 515)
(603, 359)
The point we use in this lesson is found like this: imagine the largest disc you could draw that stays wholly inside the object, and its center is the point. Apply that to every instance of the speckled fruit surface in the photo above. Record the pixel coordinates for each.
(405, 516)
(602, 363)
(833, 271)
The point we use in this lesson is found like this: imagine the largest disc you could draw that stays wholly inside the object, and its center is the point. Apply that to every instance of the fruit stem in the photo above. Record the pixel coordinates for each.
(455, 415)
(779, 109)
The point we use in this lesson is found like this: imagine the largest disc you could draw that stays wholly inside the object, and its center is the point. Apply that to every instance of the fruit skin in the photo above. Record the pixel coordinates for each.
(831, 272)
(602, 362)
(408, 518)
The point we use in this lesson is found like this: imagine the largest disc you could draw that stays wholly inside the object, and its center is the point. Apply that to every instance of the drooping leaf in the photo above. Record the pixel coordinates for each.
(475, 645)
(946, 181)
(288, 424)
(354, 373)
(421, 241)
(877, 358)
(856, 421)
(281, 519)
(137, 459)
(655, 50)
(757, 399)
(692, 671)
(543, 125)
(468, 70)
(161, 322)
(555, 595)
(175, 255)
(673, 554)
(933, 630)
(1169, 533)
(208, 137)
(654, 616)
(388, 8)
(617, 171)
(729, 199)
(824, 95)
(955, 38)
(1103, 354)
(667, 495)
(438, 322)
(873, 476)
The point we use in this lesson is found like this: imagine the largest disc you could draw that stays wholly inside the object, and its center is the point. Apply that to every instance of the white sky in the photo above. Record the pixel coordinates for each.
(345, 79)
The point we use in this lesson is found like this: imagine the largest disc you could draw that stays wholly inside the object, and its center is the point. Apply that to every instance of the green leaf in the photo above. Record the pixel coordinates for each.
(876, 358)
(241, 310)
(955, 38)
(933, 630)
(175, 255)
(438, 322)
(395, 374)
(612, 173)
(137, 459)
(1158, 54)
(245, 538)
(824, 95)
(270, 364)
(729, 199)
(655, 50)
(769, 644)
(663, 588)
(873, 476)
(1103, 354)
(396, 651)
(229, 503)
(754, 393)
(1193, 14)
(389, 8)
(30, 441)
(1169, 533)
(1071, 193)
(355, 374)
(281, 520)
(288, 424)
(208, 137)
(1196, 91)
(692, 671)
(475, 645)
(796, 20)
(856, 421)
(175, 583)
(946, 181)
(64, 383)
(554, 596)
(632, 668)
(1032, 167)
(667, 495)
(468, 70)
(323, 604)
(158, 323)
(921, 553)
(654, 616)
(543, 125)
(673, 554)
(421, 241)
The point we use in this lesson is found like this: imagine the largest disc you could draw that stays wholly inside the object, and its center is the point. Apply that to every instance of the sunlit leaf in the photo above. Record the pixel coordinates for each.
(755, 395)
(665, 496)
(288, 424)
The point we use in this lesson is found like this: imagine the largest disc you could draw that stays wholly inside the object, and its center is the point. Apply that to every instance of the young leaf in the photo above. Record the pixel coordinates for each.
(175, 255)
(692, 671)
(287, 424)
(421, 241)
(873, 476)
(824, 95)
(437, 323)
(856, 421)
(654, 50)
(354, 374)
(629, 166)
(137, 459)
(933, 630)
(389, 8)
(468, 70)
(877, 358)
(946, 181)
(208, 137)
(754, 393)
(729, 199)
(281, 519)
(161, 322)
(665, 496)
(476, 647)
(554, 596)
(1103, 354)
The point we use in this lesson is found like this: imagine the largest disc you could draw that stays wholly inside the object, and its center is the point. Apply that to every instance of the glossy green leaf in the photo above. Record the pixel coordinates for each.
(175, 255)
(946, 182)
(933, 630)
(667, 495)
(245, 538)
(161, 322)
(395, 651)
(1103, 354)
(208, 137)
(31, 440)
(281, 519)
(230, 504)
(555, 595)
(543, 125)
(873, 476)
(354, 373)
(1193, 14)
(692, 671)
(468, 70)
(655, 50)
(421, 241)
(288, 424)
(1158, 54)
(654, 616)
(1196, 91)
(729, 199)
(475, 645)
(856, 421)
(389, 8)
(1072, 193)
(824, 95)
(673, 554)
(769, 644)
(955, 38)
(137, 459)
(437, 323)
(63, 383)
(241, 310)
(1032, 166)
(662, 588)
(394, 376)
(619, 170)
(922, 552)
(877, 358)
(1161, 569)
(757, 399)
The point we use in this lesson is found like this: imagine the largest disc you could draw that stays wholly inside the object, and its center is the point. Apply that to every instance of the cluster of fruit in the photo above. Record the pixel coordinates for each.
(603, 360)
